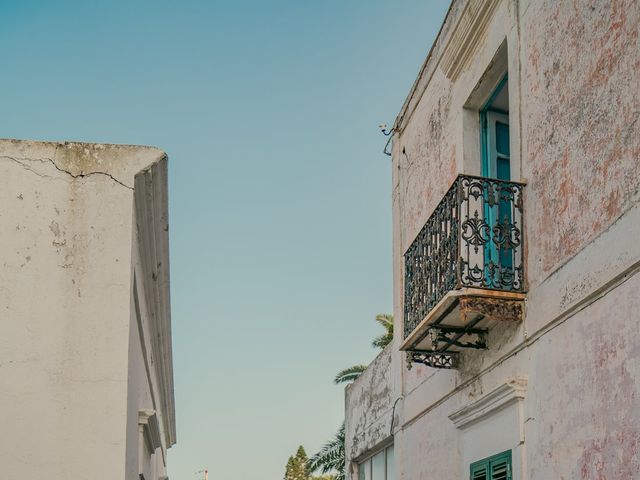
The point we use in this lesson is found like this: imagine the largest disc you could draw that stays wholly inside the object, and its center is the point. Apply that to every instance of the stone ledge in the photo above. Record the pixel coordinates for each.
(511, 391)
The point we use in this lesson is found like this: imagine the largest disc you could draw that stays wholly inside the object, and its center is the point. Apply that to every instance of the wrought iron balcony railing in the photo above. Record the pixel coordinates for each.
(474, 238)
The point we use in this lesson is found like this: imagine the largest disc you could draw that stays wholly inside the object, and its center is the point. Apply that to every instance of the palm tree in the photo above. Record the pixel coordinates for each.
(349, 374)
(381, 341)
(330, 458)
(385, 339)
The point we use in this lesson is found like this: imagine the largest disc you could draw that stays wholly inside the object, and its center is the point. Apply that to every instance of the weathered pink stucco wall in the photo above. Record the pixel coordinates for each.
(580, 95)
(574, 111)
(427, 163)
(586, 395)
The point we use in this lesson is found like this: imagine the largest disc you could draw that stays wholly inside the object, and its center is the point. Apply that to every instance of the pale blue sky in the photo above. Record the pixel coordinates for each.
(280, 196)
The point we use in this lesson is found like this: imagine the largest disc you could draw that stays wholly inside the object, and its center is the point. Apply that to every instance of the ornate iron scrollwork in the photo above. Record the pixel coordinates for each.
(474, 238)
(430, 261)
(432, 359)
(476, 232)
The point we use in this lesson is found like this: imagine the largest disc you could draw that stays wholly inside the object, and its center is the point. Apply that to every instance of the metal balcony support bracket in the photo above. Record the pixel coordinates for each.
(451, 336)
(442, 339)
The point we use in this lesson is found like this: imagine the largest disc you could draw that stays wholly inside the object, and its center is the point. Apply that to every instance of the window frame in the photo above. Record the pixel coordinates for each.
(369, 458)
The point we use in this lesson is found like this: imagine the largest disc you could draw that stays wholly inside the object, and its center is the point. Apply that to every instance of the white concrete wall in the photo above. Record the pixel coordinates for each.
(145, 355)
(575, 141)
(66, 230)
(370, 402)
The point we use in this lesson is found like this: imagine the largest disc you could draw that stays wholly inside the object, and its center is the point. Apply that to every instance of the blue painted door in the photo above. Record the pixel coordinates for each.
(496, 163)
(496, 154)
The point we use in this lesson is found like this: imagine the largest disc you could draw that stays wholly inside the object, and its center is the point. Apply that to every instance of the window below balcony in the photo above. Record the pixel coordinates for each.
(379, 466)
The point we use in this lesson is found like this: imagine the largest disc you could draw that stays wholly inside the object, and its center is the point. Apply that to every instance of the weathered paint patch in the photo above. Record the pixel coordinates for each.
(580, 98)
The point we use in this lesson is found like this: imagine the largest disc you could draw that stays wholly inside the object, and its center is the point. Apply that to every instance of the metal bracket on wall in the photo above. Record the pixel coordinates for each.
(432, 359)
(443, 338)
(452, 336)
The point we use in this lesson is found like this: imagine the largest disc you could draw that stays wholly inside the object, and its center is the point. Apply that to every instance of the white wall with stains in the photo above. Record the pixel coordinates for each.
(69, 341)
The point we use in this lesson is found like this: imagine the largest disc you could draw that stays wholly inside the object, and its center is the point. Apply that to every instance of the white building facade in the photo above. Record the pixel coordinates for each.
(86, 380)
(516, 180)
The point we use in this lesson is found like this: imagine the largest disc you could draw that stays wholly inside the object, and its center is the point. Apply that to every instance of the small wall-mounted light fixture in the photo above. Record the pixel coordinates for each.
(387, 133)
(383, 129)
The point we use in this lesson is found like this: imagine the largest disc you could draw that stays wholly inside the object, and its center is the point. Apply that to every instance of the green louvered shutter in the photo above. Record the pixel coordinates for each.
(479, 474)
(480, 470)
(497, 467)
(501, 470)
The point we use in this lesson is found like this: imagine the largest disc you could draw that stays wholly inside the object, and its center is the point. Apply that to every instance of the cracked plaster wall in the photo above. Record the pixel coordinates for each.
(66, 230)
(370, 399)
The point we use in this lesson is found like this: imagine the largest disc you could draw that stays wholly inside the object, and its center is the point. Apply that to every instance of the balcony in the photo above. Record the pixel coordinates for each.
(464, 271)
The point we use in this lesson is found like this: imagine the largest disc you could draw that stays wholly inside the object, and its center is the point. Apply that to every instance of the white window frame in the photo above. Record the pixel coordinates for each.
(367, 462)
(148, 442)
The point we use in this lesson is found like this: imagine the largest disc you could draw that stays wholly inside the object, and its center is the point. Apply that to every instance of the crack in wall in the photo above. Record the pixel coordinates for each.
(23, 163)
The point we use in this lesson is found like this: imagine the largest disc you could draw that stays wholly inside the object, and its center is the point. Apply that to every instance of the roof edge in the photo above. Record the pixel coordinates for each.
(405, 110)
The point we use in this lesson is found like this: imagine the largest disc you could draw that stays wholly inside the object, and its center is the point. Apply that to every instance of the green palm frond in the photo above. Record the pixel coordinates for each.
(330, 458)
(385, 339)
(349, 374)
(382, 341)
(386, 320)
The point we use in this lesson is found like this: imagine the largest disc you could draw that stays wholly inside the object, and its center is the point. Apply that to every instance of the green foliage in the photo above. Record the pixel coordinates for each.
(330, 458)
(298, 468)
(385, 339)
(352, 373)
(349, 374)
